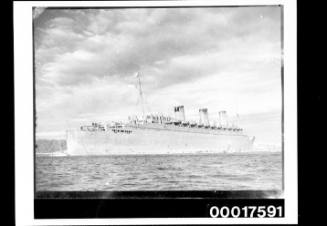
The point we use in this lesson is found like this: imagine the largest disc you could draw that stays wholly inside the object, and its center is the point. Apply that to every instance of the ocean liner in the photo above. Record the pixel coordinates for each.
(159, 134)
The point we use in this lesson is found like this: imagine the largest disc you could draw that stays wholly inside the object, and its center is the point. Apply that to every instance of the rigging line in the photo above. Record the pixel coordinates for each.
(141, 94)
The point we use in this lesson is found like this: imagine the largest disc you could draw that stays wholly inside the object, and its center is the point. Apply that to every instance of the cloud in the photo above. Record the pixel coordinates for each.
(37, 11)
(124, 41)
(85, 59)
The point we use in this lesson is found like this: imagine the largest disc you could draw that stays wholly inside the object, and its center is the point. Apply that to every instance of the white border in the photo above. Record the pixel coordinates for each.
(23, 66)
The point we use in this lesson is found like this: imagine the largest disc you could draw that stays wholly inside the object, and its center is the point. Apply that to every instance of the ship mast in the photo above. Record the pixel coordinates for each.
(140, 93)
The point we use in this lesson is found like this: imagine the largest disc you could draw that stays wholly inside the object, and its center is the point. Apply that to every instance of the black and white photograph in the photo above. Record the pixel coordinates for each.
(158, 98)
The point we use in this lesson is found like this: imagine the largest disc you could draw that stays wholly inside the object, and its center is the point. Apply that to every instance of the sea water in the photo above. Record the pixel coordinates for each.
(242, 171)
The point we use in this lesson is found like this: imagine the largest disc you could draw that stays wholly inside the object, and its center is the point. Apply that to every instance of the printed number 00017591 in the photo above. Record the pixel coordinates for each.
(246, 211)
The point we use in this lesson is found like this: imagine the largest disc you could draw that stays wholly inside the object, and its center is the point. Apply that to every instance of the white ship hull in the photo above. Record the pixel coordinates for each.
(155, 140)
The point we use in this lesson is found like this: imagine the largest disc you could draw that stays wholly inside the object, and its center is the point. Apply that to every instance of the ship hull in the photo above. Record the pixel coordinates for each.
(141, 141)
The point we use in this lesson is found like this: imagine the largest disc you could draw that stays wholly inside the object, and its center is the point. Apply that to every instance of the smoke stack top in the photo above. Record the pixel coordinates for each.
(179, 113)
(204, 118)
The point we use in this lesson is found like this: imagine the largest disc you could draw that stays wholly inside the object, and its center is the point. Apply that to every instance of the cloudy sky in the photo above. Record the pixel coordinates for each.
(219, 58)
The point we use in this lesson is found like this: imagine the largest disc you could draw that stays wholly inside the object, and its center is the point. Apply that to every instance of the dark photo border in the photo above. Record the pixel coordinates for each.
(144, 204)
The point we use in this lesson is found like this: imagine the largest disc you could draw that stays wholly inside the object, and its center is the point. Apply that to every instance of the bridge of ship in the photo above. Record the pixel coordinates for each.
(160, 121)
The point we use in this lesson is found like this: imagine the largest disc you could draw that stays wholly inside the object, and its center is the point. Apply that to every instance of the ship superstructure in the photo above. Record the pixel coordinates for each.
(159, 134)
